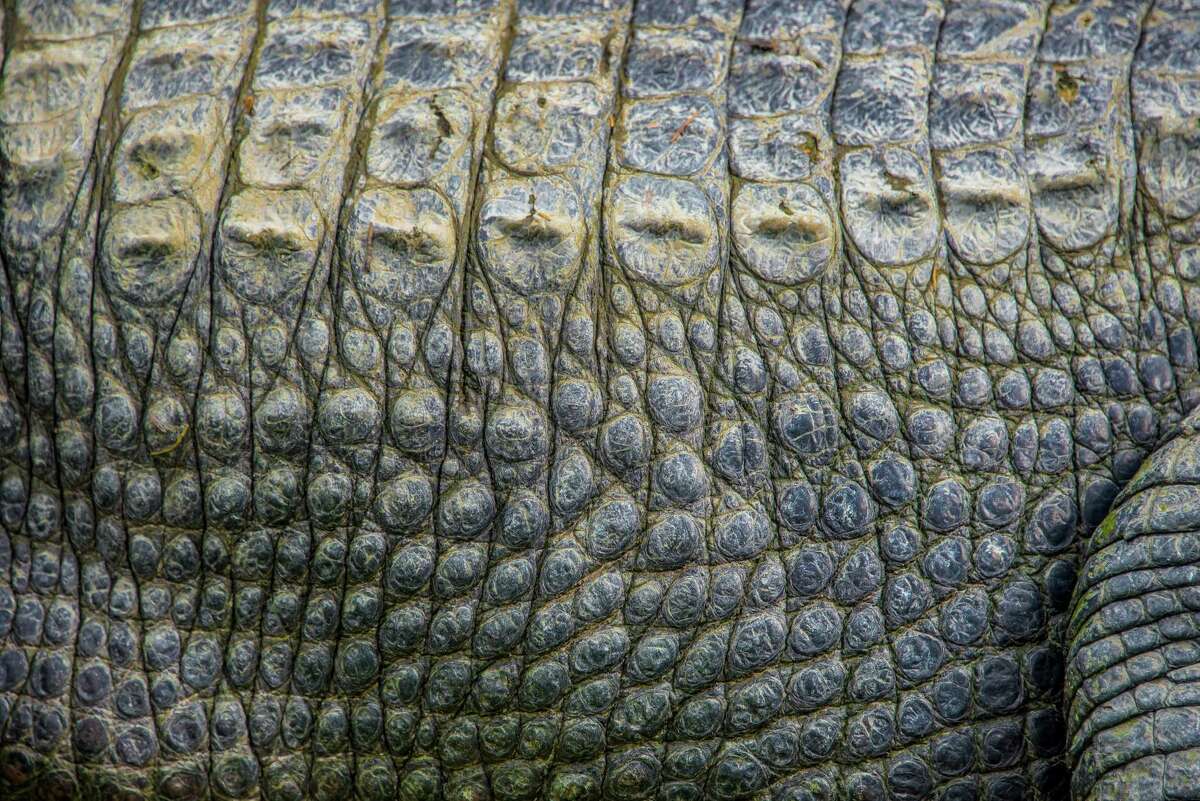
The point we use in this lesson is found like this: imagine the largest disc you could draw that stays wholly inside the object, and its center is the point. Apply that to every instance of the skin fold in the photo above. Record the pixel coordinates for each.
(780, 400)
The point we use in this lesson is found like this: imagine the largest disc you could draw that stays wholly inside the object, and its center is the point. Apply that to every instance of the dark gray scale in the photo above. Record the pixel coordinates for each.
(59, 60)
(690, 463)
(1131, 634)
(382, 420)
(1109, 312)
(275, 561)
(1014, 396)
(150, 306)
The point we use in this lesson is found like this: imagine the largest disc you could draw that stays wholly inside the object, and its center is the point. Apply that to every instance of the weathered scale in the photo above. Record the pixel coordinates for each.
(781, 400)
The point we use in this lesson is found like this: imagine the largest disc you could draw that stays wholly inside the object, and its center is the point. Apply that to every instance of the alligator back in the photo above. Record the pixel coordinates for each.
(781, 400)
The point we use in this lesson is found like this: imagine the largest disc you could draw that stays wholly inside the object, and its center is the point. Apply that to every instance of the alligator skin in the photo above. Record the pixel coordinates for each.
(600, 399)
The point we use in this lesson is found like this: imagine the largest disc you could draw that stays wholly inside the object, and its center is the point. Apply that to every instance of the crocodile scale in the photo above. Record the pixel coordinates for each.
(600, 400)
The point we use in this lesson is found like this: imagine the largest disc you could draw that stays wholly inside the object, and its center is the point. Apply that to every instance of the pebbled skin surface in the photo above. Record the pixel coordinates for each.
(587, 399)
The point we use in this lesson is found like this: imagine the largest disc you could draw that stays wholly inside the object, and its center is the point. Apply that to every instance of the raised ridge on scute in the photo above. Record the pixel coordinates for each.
(58, 64)
(273, 547)
(1133, 708)
(164, 174)
(505, 399)
(531, 395)
(393, 373)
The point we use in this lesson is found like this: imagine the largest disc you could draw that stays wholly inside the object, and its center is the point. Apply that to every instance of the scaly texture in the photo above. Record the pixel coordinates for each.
(59, 60)
(599, 399)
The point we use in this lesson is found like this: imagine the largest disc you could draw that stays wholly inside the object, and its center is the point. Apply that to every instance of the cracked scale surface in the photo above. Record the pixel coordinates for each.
(599, 399)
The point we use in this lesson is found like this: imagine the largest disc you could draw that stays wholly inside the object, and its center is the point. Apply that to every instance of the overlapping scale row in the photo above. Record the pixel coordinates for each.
(890, 316)
(1079, 143)
(807, 617)
(59, 59)
(895, 377)
(665, 259)
(1014, 395)
(518, 483)
(395, 367)
(151, 639)
(274, 549)
(1131, 680)
(1013, 410)
(597, 399)
(1165, 251)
